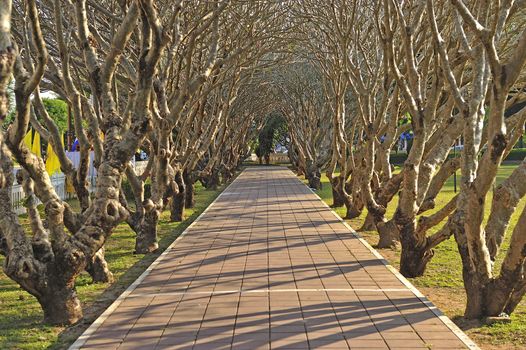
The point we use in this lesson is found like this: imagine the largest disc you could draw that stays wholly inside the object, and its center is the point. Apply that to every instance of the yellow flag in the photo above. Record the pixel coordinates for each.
(69, 186)
(52, 162)
(36, 145)
(28, 139)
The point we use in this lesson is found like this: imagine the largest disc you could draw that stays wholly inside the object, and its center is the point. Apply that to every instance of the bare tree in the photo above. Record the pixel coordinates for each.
(306, 109)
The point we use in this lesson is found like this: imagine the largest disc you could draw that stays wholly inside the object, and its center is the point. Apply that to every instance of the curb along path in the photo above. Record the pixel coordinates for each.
(270, 266)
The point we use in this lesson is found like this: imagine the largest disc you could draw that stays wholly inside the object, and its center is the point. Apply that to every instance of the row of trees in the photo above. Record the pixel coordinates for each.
(188, 82)
(444, 70)
(177, 79)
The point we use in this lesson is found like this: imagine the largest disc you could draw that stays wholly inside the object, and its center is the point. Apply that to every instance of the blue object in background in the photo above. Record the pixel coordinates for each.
(406, 136)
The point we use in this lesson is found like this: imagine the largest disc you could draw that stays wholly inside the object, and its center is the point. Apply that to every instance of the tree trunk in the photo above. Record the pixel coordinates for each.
(508, 288)
(502, 290)
(352, 210)
(190, 195)
(82, 185)
(227, 174)
(506, 197)
(178, 200)
(516, 296)
(388, 233)
(213, 181)
(314, 182)
(146, 240)
(475, 297)
(313, 175)
(369, 224)
(177, 207)
(337, 199)
(414, 255)
(98, 268)
(61, 305)
(189, 182)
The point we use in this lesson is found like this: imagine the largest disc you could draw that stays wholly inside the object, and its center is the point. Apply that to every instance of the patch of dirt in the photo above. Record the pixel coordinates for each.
(451, 300)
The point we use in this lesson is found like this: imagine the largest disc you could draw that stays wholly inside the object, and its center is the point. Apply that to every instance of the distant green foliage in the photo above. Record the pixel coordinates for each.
(8, 120)
(274, 132)
(58, 111)
(128, 192)
(56, 108)
(517, 154)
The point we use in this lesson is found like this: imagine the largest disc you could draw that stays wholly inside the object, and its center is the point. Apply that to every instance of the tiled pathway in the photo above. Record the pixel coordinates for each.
(269, 266)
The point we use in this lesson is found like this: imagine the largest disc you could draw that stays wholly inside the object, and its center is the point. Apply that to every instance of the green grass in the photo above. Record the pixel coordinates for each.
(442, 282)
(20, 313)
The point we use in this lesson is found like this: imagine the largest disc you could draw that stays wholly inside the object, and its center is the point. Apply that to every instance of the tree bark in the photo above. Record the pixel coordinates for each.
(339, 193)
(473, 284)
(212, 182)
(146, 240)
(189, 181)
(178, 200)
(516, 296)
(413, 262)
(506, 197)
(353, 211)
(508, 287)
(369, 223)
(337, 198)
(314, 181)
(389, 234)
(60, 304)
(98, 268)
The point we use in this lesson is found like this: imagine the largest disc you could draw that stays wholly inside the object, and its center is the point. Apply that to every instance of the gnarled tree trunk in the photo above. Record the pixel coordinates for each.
(98, 268)
(146, 240)
(337, 197)
(178, 200)
(189, 181)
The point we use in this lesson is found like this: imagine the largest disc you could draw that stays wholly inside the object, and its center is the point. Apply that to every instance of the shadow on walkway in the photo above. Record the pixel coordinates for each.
(269, 266)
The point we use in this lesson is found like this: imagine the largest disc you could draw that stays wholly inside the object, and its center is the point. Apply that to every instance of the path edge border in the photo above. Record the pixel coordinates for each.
(83, 338)
(432, 307)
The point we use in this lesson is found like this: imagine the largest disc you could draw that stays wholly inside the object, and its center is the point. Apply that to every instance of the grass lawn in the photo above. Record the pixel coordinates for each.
(21, 316)
(442, 282)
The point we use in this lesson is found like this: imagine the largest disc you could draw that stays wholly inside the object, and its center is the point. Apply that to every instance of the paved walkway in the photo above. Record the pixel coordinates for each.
(269, 266)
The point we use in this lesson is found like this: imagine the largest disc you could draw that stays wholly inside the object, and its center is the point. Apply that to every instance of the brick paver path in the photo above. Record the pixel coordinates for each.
(269, 266)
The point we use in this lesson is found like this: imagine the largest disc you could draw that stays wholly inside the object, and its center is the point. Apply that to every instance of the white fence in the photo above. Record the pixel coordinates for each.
(18, 196)
(275, 158)
(279, 158)
(59, 183)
